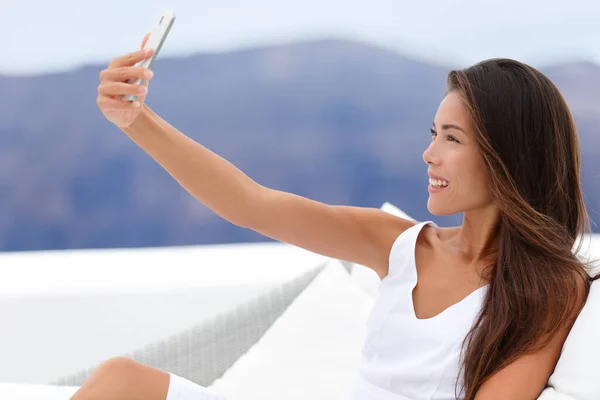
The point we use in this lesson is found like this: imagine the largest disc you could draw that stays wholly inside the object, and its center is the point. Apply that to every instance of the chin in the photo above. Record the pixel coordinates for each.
(441, 210)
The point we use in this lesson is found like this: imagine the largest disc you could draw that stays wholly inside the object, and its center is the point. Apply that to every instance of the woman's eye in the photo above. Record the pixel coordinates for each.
(448, 137)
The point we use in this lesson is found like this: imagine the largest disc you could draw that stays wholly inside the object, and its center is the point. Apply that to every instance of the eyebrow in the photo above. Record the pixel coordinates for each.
(451, 126)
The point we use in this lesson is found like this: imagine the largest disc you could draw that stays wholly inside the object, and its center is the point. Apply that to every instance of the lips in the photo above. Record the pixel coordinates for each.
(439, 178)
(436, 183)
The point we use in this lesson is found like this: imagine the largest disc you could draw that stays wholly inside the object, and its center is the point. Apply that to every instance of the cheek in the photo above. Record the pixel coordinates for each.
(469, 172)
(479, 180)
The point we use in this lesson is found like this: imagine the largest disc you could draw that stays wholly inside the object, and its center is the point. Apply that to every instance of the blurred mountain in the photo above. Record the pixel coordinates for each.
(336, 121)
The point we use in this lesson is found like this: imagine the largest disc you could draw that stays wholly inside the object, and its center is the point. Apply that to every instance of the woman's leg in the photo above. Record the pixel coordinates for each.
(121, 378)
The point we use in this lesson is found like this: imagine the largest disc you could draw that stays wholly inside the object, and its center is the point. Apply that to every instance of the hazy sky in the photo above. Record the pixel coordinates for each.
(45, 35)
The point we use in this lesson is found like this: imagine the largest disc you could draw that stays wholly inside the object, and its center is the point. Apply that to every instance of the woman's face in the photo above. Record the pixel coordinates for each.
(453, 155)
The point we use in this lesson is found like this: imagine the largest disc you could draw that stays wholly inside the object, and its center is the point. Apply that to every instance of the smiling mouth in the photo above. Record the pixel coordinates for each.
(438, 183)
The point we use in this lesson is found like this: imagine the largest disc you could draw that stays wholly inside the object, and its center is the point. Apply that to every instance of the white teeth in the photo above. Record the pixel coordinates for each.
(438, 182)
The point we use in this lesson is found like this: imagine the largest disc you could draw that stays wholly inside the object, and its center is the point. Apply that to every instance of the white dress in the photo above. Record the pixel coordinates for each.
(183, 389)
(403, 357)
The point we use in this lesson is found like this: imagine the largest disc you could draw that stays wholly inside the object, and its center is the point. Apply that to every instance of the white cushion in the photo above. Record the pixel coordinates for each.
(392, 209)
(26, 391)
(550, 394)
(578, 369)
(311, 351)
(366, 279)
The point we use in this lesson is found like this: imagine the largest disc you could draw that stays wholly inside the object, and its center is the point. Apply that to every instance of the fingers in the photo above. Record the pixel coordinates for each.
(145, 39)
(116, 104)
(120, 88)
(131, 58)
(124, 74)
(121, 79)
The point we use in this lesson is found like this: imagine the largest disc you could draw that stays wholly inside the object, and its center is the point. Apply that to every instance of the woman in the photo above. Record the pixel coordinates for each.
(479, 311)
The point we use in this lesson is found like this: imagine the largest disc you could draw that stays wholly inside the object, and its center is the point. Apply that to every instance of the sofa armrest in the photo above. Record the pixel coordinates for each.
(204, 352)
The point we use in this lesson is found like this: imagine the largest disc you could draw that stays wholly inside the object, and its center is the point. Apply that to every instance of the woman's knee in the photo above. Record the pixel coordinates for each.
(111, 371)
(122, 377)
(118, 367)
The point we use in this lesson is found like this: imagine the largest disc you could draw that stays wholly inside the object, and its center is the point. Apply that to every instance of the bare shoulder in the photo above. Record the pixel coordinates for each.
(383, 228)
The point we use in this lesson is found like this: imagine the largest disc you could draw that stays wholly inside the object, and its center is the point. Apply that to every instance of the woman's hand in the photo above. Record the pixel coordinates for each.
(114, 86)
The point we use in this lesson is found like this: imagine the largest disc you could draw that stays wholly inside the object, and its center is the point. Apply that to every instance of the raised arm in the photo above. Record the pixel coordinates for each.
(356, 234)
(361, 235)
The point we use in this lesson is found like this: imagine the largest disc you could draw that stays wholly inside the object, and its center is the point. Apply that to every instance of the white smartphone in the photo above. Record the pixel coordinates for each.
(155, 41)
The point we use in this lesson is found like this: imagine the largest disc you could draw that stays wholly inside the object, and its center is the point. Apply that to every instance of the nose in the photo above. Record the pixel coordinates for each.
(430, 155)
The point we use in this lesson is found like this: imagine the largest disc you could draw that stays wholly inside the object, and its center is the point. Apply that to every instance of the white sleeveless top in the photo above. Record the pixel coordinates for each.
(403, 357)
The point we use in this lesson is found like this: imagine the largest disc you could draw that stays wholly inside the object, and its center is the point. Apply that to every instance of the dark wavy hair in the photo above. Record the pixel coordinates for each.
(529, 143)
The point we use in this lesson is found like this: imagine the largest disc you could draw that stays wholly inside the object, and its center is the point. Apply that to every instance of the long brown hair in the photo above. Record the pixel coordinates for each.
(529, 144)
